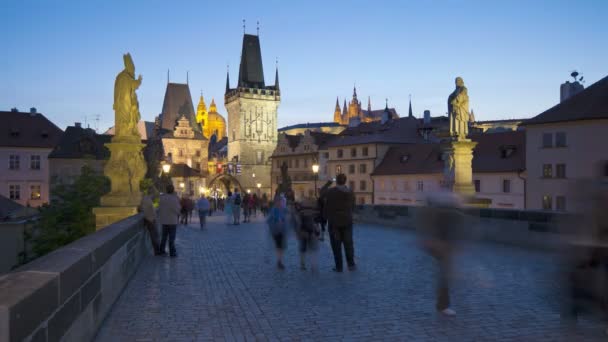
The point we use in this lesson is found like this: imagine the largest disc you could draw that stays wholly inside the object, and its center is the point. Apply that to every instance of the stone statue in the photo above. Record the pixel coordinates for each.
(126, 106)
(285, 185)
(458, 111)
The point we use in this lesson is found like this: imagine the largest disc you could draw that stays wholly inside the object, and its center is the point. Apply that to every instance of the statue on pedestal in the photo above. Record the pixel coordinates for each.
(458, 111)
(285, 185)
(126, 106)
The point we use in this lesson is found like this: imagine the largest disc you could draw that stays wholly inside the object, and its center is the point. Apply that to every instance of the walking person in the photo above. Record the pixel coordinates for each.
(245, 207)
(203, 206)
(440, 220)
(264, 205)
(277, 223)
(307, 232)
(169, 210)
(228, 208)
(320, 218)
(236, 207)
(339, 206)
(184, 210)
(255, 205)
(147, 208)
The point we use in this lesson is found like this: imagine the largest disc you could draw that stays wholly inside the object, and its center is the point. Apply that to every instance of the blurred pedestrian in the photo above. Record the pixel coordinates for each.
(339, 206)
(147, 208)
(227, 203)
(184, 210)
(245, 207)
(441, 219)
(264, 205)
(169, 210)
(307, 232)
(320, 218)
(203, 206)
(277, 223)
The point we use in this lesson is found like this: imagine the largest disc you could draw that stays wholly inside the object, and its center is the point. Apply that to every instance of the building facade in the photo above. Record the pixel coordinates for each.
(24, 148)
(566, 144)
(252, 119)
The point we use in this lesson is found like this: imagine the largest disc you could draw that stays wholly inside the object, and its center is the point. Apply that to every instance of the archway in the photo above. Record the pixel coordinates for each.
(224, 183)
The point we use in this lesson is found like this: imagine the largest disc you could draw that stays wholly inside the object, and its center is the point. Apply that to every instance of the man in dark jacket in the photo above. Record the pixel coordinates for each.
(339, 205)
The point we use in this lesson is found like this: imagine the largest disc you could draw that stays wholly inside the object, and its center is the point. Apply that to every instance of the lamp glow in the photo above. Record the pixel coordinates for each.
(315, 168)
(182, 185)
(166, 167)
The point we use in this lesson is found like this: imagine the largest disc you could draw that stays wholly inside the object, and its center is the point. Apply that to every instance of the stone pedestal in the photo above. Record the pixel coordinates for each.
(458, 173)
(126, 168)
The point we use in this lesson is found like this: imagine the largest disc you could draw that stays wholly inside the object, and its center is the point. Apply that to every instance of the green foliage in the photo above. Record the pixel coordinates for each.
(70, 216)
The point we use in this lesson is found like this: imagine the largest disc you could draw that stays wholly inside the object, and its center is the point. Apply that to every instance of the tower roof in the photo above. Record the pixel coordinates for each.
(251, 72)
(212, 106)
(177, 102)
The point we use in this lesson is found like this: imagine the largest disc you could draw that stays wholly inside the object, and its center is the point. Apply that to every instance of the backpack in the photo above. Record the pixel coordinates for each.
(237, 200)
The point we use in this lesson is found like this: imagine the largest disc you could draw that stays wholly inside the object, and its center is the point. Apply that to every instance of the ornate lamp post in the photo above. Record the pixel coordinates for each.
(315, 170)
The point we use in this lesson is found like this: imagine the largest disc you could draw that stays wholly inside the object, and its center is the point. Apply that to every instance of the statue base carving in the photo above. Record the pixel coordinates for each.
(105, 216)
(125, 168)
(459, 175)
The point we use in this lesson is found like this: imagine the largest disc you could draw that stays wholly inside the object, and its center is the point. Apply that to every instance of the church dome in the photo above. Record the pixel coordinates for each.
(217, 123)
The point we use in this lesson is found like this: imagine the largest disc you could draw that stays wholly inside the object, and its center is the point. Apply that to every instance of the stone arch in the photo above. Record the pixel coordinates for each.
(228, 181)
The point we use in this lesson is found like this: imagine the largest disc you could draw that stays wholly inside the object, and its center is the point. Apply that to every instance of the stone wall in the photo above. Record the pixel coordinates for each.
(66, 294)
(524, 228)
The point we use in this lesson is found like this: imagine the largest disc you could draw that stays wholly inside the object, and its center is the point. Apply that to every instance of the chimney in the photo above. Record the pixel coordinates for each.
(33, 110)
(427, 117)
(569, 89)
(14, 110)
(77, 124)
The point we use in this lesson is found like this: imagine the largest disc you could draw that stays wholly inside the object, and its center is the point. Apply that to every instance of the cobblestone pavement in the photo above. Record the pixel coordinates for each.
(224, 286)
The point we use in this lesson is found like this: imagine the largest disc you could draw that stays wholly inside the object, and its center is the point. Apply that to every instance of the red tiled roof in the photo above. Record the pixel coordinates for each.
(28, 130)
(399, 131)
(411, 159)
(591, 103)
(499, 152)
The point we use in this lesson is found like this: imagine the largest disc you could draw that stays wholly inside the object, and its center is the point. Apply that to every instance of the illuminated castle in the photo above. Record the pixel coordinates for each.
(354, 112)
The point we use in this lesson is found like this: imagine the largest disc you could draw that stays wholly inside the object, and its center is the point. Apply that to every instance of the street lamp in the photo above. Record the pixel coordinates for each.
(166, 167)
(315, 170)
(259, 186)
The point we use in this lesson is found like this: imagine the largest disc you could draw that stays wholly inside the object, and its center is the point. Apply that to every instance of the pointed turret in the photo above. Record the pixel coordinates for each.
(386, 115)
(369, 104)
(354, 92)
(410, 113)
(227, 81)
(337, 112)
(212, 106)
(201, 110)
(276, 78)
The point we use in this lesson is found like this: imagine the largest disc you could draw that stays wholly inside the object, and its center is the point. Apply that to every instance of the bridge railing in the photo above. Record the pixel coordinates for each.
(66, 294)
(526, 228)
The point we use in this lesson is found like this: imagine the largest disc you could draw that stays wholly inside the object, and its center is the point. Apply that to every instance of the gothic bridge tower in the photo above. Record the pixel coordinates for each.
(252, 118)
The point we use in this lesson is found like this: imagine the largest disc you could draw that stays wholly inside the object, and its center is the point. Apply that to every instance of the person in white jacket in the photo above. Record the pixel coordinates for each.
(168, 216)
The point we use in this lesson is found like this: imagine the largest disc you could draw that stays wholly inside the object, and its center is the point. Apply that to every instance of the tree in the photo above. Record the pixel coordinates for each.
(70, 216)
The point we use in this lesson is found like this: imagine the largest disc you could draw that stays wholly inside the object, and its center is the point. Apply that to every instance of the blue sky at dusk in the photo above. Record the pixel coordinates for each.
(62, 56)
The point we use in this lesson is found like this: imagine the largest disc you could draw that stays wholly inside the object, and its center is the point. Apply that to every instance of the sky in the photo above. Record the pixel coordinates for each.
(62, 56)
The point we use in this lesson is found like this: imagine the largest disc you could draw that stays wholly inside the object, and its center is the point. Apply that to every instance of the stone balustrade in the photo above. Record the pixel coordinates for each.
(66, 294)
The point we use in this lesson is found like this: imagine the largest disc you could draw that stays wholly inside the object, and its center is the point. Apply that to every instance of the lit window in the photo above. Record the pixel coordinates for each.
(338, 169)
(506, 185)
(547, 170)
(35, 162)
(560, 139)
(547, 202)
(13, 162)
(547, 140)
(35, 192)
(14, 192)
(560, 170)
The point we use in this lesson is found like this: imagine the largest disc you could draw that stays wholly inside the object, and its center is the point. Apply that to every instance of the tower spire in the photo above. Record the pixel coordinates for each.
(410, 114)
(227, 78)
(337, 112)
(369, 104)
(276, 76)
(167, 75)
(355, 91)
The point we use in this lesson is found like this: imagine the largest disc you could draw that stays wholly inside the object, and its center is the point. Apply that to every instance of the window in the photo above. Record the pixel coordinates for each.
(198, 153)
(326, 155)
(297, 163)
(506, 185)
(361, 200)
(282, 149)
(560, 139)
(364, 152)
(420, 186)
(35, 162)
(14, 192)
(560, 170)
(362, 185)
(547, 201)
(35, 192)
(180, 153)
(13, 162)
(560, 203)
(338, 169)
(477, 183)
(340, 153)
(353, 152)
(351, 185)
(547, 140)
(351, 169)
(547, 171)
(362, 168)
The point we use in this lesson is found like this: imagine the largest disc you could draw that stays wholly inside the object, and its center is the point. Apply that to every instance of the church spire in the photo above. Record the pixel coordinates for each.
(337, 112)
(355, 92)
(410, 114)
(369, 104)
(344, 110)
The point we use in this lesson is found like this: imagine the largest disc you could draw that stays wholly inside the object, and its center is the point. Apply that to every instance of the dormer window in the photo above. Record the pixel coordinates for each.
(14, 133)
(405, 158)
